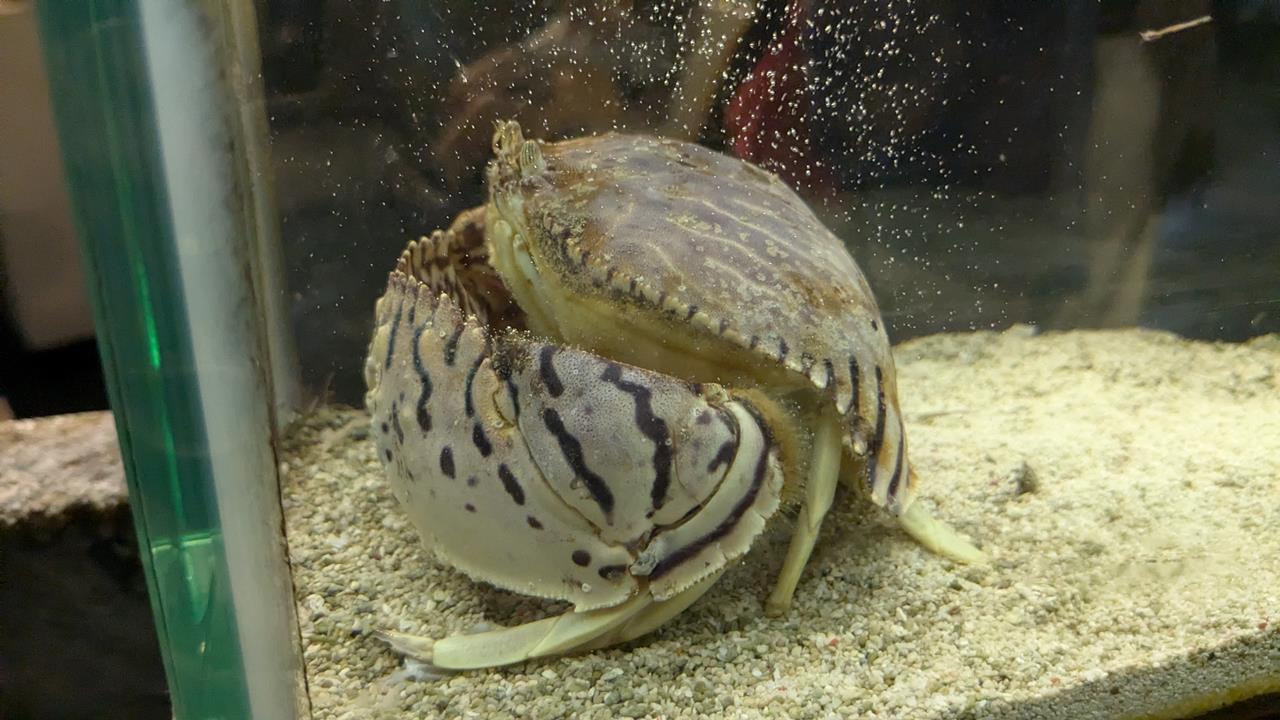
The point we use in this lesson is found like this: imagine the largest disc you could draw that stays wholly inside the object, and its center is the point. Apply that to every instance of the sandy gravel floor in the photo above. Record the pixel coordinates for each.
(1126, 485)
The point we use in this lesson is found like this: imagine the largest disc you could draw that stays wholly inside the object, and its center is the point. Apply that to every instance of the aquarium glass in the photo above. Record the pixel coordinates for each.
(1066, 293)
(104, 106)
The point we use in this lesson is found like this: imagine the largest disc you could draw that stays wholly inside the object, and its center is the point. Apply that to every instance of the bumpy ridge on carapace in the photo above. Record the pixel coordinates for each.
(456, 262)
(715, 243)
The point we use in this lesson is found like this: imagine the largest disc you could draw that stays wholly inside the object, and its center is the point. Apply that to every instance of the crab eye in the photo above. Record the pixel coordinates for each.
(507, 137)
(531, 162)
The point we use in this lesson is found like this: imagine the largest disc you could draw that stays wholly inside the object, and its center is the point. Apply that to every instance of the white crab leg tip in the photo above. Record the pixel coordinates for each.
(939, 537)
(414, 646)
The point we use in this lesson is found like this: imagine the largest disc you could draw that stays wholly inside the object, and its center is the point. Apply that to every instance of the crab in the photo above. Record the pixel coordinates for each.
(600, 387)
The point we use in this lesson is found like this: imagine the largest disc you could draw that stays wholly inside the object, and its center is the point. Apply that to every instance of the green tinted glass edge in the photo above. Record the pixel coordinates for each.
(106, 126)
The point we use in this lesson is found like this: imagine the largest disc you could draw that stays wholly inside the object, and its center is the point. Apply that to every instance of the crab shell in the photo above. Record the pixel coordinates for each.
(555, 465)
(725, 270)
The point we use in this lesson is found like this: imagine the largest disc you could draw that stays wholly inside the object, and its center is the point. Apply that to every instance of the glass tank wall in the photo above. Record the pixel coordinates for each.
(1010, 177)
(987, 166)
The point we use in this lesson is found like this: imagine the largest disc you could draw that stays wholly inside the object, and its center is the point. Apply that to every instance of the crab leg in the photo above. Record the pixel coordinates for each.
(657, 614)
(819, 492)
(565, 633)
(938, 537)
(492, 648)
(551, 636)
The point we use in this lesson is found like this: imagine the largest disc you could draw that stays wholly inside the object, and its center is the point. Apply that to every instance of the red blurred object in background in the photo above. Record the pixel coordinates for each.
(766, 118)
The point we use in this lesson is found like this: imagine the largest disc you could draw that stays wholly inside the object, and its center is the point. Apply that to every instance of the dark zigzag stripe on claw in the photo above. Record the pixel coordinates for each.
(652, 427)
(724, 455)
(548, 371)
(510, 484)
(481, 441)
(897, 465)
(469, 404)
(855, 378)
(877, 440)
(395, 423)
(424, 417)
(571, 448)
(395, 330)
(451, 345)
(684, 553)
